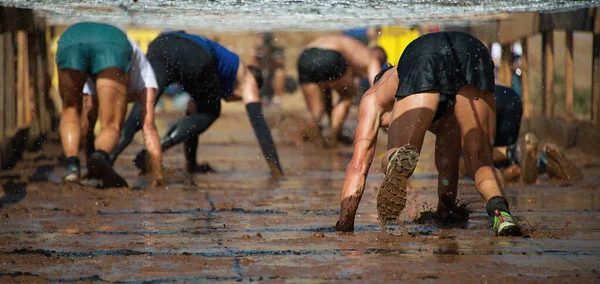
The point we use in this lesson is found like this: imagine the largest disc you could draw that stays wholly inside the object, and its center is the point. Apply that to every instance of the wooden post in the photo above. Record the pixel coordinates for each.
(2, 85)
(9, 102)
(548, 71)
(569, 89)
(21, 80)
(505, 66)
(527, 106)
(596, 81)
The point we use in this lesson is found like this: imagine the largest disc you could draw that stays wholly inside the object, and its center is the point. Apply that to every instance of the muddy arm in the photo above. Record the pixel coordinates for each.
(249, 94)
(365, 140)
(150, 134)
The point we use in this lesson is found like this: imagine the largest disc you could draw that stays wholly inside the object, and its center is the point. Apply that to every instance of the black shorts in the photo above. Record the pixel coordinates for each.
(444, 62)
(509, 109)
(320, 65)
(177, 59)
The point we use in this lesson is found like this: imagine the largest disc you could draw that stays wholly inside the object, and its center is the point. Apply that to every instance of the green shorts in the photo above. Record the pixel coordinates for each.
(93, 47)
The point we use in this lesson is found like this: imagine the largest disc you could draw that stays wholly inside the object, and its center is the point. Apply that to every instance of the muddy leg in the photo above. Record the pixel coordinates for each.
(71, 85)
(89, 117)
(447, 154)
(315, 102)
(339, 113)
(411, 117)
(112, 100)
(476, 114)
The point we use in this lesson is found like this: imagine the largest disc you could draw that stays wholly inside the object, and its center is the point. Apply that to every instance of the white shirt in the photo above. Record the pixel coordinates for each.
(141, 74)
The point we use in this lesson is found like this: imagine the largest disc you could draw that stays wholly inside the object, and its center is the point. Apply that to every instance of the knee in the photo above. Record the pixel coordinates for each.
(111, 124)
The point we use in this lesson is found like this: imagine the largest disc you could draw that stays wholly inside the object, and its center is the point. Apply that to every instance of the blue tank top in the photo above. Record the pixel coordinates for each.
(227, 62)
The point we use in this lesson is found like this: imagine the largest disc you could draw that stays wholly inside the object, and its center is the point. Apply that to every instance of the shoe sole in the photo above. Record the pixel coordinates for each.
(510, 230)
(71, 178)
(99, 169)
(391, 198)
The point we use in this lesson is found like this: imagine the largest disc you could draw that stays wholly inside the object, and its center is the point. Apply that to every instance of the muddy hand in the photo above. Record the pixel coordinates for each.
(276, 170)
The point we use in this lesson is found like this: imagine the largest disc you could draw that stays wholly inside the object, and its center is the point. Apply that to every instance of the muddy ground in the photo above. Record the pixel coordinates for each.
(240, 224)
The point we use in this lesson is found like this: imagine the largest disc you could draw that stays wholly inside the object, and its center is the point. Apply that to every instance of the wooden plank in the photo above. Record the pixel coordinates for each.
(9, 99)
(596, 80)
(2, 85)
(520, 25)
(21, 80)
(577, 20)
(569, 89)
(527, 106)
(506, 66)
(30, 105)
(548, 71)
(596, 28)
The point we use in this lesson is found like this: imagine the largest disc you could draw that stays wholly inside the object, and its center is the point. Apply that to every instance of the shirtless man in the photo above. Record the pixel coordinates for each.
(331, 63)
(458, 108)
(104, 54)
(208, 72)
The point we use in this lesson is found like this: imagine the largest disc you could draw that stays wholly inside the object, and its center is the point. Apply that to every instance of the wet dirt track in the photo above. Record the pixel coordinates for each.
(242, 225)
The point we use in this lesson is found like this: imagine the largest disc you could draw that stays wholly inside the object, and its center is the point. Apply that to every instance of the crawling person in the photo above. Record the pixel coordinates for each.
(104, 53)
(141, 87)
(331, 63)
(444, 83)
(507, 155)
(208, 72)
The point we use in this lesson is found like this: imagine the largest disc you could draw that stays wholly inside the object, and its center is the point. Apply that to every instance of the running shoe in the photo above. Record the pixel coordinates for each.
(391, 198)
(72, 172)
(99, 167)
(505, 224)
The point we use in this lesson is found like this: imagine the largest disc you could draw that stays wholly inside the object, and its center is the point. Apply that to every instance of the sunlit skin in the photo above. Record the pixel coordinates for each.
(377, 109)
(147, 99)
(360, 64)
(111, 87)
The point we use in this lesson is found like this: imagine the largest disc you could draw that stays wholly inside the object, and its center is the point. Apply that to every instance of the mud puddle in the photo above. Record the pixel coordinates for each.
(240, 224)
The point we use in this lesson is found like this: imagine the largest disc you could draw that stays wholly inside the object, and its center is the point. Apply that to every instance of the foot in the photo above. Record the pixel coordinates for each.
(512, 173)
(142, 162)
(505, 224)
(559, 166)
(391, 197)
(203, 168)
(529, 168)
(99, 167)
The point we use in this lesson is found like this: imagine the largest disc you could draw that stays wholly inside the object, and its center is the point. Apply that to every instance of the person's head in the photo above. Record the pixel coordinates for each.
(379, 53)
(373, 33)
(267, 38)
(257, 74)
(380, 74)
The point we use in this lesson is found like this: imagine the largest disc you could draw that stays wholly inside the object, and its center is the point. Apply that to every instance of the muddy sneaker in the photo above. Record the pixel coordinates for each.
(72, 172)
(505, 224)
(529, 167)
(554, 162)
(142, 162)
(391, 197)
(99, 167)
(72, 169)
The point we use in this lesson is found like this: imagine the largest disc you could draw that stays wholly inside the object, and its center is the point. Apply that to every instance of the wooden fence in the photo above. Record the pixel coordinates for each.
(567, 129)
(24, 82)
